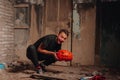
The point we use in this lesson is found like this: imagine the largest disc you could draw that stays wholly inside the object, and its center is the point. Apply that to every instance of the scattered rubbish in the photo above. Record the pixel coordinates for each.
(98, 77)
(2, 66)
(86, 78)
(96, 73)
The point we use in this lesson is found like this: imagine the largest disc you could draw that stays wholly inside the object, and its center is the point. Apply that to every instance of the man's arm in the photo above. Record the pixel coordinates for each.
(44, 51)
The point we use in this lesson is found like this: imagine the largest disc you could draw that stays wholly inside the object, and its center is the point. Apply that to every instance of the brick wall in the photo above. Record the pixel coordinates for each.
(6, 31)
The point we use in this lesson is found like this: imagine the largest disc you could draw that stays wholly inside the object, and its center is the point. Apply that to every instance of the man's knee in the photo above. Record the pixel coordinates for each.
(29, 51)
(52, 59)
(31, 47)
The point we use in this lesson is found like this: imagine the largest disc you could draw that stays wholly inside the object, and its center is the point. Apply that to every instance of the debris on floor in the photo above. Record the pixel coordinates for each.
(26, 71)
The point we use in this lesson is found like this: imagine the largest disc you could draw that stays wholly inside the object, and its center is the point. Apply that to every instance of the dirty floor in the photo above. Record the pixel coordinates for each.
(55, 72)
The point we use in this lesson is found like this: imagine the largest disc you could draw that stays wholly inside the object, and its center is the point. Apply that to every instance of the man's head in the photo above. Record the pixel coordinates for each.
(62, 36)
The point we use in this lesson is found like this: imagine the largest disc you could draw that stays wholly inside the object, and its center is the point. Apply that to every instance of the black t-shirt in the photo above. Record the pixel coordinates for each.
(49, 42)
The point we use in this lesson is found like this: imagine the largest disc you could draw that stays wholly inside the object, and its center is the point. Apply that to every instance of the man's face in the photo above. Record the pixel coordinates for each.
(61, 37)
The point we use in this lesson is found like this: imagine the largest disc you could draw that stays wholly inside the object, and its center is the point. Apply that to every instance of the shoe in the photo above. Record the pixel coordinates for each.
(43, 67)
(39, 70)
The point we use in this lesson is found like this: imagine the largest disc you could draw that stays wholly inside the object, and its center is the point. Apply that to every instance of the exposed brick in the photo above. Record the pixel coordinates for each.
(6, 31)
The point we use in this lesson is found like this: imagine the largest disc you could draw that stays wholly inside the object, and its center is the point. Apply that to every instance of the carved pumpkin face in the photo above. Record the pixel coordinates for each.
(64, 55)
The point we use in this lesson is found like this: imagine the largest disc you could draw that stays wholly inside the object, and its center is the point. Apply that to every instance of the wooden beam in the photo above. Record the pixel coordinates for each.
(46, 77)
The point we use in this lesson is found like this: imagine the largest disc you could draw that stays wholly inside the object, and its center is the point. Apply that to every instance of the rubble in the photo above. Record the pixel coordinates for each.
(25, 71)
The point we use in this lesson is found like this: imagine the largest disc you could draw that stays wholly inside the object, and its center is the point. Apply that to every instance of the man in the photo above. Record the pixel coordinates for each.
(45, 49)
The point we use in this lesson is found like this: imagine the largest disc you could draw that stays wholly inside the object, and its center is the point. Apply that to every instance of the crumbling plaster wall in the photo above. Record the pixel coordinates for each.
(83, 40)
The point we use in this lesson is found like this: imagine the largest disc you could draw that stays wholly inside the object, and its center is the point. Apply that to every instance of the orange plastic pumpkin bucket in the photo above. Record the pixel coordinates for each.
(64, 55)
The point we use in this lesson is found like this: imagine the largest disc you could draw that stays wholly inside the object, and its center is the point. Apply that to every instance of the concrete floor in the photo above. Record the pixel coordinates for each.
(27, 72)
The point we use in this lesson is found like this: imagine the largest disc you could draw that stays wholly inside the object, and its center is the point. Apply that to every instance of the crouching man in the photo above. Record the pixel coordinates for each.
(45, 49)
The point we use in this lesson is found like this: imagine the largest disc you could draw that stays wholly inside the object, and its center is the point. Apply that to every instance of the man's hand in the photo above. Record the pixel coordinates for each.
(55, 56)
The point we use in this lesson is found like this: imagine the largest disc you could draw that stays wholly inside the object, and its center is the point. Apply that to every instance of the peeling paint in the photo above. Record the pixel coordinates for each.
(76, 23)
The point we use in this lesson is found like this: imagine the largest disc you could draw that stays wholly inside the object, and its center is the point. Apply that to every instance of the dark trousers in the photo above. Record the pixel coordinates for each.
(35, 56)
